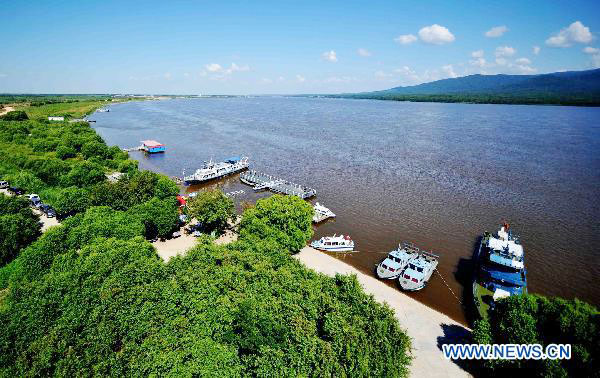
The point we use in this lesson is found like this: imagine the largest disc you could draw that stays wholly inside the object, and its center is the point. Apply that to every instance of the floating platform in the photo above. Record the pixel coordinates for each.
(263, 181)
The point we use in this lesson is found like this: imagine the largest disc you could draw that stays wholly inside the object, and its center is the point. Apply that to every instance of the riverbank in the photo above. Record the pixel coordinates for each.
(427, 328)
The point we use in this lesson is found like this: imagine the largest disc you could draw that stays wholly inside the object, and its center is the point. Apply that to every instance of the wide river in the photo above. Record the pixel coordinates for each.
(434, 174)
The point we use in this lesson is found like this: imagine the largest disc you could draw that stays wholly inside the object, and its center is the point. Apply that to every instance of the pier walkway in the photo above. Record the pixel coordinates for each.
(261, 181)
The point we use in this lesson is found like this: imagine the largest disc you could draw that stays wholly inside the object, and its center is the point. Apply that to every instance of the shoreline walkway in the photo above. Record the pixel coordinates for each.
(427, 328)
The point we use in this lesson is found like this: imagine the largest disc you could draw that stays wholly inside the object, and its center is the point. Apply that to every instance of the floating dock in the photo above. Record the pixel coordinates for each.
(263, 181)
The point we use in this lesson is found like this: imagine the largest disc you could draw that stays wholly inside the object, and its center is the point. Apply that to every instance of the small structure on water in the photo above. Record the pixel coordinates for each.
(321, 213)
(334, 243)
(262, 181)
(152, 146)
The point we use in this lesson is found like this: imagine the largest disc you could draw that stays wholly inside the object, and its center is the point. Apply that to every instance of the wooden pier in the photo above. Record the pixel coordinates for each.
(262, 181)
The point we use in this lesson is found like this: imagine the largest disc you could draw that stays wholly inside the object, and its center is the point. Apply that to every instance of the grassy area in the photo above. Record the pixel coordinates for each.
(70, 109)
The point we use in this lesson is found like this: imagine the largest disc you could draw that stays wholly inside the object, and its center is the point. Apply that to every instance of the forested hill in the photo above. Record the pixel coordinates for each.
(568, 88)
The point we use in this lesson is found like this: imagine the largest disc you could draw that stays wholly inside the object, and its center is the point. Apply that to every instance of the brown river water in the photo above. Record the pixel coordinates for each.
(437, 175)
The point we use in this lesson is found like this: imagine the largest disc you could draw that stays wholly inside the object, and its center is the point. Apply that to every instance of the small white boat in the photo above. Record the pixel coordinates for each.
(418, 272)
(334, 243)
(321, 213)
(396, 261)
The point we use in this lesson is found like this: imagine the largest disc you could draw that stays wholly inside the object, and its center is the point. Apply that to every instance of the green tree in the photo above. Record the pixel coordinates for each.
(65, 152)
(16, 115)
(533, 319)
(19, 227)
(70, 201)
(84, 174)
(94, 149)
(285, 219)
(159, 217)
(212, 209)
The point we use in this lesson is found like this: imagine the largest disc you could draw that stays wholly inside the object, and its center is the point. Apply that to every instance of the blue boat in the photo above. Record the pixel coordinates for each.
(152, 146)
(500, 269)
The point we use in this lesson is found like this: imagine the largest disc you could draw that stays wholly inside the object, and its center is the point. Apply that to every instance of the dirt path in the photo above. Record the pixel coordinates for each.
(6, 109)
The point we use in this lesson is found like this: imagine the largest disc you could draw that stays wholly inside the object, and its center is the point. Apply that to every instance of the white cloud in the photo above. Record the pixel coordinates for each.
(479, 62)
(330, 56)
(591, 50)
(363, 52)
(477, 54)
(496, 31)
(213, 67)
(167, 75)
(436, 34)
(448, 70)
(501, 61)
(382, 75)
(574, 33)
(266, 80)
(405, 39)
(301, 79)
(186, 74)
(336, 79)
(536, 50)
(3, 75)
(523, 61)
(524, 69)
(596, 61)
(281, 78)
(505, 51)
(235, 68)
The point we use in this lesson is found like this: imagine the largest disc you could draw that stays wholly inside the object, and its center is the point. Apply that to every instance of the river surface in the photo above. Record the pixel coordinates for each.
(434, 174)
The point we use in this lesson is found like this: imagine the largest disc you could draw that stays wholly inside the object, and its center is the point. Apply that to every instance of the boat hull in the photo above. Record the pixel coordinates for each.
(333, 249)
(385, 274)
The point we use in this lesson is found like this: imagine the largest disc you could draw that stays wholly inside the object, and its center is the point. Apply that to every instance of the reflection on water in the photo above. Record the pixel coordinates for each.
(434, 174)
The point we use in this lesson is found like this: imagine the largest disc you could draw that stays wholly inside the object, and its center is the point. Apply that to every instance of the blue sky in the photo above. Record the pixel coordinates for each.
(255, 47)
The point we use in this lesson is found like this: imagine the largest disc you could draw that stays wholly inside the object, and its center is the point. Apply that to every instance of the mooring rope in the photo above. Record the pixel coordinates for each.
(448, 286)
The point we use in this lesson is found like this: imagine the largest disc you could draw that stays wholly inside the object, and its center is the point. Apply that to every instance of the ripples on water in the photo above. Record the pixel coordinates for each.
(435, 174)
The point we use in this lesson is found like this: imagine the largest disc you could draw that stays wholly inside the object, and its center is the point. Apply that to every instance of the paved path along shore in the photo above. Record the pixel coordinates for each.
(427, 328)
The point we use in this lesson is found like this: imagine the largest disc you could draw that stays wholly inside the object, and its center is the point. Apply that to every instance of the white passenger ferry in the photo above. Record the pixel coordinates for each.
(212, 170)
(396, 261)
(418, 272)
(321, 213)
(334, 243)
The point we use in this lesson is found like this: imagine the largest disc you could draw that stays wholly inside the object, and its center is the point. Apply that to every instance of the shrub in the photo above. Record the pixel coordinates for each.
(285, 219)
(533, 319)
(16, 115)
(19, 227)
(212, 209)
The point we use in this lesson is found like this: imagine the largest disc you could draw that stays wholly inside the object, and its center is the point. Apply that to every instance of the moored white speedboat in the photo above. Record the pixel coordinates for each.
(396, 261)
(334, 243)
(418, 272)
(321, 213)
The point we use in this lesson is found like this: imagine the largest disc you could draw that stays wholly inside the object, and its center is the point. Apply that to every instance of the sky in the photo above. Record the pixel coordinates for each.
(284, 47)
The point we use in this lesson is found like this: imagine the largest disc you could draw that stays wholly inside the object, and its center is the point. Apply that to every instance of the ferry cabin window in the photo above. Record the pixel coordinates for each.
(420, 270)
(412, 266)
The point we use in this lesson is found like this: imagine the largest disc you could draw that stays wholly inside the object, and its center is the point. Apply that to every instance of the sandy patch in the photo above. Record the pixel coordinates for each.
(427, 328)
(46, 222)
(6, 109)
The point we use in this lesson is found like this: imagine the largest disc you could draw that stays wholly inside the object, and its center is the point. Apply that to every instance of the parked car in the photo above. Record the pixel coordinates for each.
(16, 191)
(48, 210)
(34, 197)
(35, 203)
(196, 234)
(3, 184)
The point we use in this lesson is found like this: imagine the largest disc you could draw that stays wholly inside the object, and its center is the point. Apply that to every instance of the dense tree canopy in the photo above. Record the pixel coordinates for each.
(285, 219)
(532, 319)
(19, 227)
(16, 115)
(212, 209)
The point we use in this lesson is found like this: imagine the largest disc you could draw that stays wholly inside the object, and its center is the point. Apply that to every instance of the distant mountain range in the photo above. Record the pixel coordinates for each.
(567, 88)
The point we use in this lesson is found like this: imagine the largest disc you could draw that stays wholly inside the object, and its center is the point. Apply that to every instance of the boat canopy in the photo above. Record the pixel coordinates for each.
(152, 143)
(233, 159)
(512, 278)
